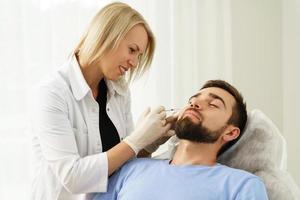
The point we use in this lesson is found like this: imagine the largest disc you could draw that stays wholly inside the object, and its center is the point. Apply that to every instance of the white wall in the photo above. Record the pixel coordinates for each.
(256, 54)
(291, 83)
(266, 60)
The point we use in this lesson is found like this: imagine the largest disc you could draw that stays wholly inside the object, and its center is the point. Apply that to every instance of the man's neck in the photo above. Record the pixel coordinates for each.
(192, 153)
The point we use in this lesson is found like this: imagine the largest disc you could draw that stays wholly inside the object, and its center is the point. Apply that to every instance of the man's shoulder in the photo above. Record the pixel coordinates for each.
(241, 178)
(237, 172)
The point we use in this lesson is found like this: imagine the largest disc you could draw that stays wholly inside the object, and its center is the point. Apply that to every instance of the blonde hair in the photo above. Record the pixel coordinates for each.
(105, 32)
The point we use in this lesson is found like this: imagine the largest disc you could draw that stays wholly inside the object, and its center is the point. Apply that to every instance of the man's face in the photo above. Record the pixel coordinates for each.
(205, 117)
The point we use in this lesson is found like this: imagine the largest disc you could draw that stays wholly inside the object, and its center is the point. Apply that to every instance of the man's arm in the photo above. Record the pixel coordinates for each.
(253, 189)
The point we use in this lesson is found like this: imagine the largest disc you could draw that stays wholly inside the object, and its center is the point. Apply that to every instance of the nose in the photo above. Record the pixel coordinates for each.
(133, 61)
(195, 105)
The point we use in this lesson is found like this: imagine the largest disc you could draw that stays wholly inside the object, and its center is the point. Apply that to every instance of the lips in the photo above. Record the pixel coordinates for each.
(123, 69)
(193, 114)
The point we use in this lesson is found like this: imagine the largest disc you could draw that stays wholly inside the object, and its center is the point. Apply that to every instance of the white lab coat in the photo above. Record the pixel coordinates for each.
(67, 149)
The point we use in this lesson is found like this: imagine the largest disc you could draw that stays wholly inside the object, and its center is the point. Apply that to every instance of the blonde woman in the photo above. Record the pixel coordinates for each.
(82, 124)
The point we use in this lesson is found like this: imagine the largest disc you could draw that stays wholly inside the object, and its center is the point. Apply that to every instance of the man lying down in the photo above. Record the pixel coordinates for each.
(212, 121)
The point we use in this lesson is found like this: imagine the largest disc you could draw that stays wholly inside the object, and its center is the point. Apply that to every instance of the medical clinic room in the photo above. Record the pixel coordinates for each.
(150, 100)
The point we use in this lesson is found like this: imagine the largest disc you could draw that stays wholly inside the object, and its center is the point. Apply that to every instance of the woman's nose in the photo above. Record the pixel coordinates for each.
(133, 61)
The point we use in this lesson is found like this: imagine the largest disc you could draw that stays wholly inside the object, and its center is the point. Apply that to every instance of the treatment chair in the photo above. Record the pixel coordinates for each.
(262, 151)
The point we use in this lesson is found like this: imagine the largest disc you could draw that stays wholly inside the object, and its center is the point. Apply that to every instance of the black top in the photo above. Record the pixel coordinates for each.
(108, 132)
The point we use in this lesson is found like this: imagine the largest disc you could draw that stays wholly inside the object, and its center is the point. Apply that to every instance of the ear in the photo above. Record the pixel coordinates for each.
(231, 133)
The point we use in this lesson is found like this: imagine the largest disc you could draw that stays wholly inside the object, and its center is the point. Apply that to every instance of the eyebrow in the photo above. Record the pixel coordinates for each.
(214, 96)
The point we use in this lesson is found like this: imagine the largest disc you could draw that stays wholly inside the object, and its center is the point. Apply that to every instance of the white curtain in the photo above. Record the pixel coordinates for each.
(35, 39)
(197, 40)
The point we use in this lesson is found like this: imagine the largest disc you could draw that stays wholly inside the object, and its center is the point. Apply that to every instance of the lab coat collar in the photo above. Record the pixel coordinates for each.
(78, 83)
(80, 87)
(119, 87)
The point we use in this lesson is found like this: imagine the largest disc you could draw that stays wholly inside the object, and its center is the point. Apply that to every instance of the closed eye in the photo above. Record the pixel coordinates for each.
(213, 105)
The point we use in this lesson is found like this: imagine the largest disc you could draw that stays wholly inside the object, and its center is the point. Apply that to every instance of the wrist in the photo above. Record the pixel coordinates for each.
(131, 145)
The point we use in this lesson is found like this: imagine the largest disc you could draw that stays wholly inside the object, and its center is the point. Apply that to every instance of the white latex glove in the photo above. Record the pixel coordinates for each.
(150, 126)
(154, 145)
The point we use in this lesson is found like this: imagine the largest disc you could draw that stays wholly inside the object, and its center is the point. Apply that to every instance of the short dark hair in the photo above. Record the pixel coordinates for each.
(239, 112)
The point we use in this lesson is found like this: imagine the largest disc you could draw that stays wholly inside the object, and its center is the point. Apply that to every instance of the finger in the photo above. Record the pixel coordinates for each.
(170, 133)
(171, 119)
(157, 109)
(166, 127)
(162, 115)
(165, 130)
(163, 122)
(176, 114)
(179, 113)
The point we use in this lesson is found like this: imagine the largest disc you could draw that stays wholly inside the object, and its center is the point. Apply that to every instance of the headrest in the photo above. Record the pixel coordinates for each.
(261, 142)
(262, 151)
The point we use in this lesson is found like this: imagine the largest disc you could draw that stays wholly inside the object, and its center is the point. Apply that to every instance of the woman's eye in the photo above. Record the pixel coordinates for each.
(131, 50)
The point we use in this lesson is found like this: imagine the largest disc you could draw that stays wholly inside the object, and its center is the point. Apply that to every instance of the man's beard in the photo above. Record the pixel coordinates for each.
(196, 132)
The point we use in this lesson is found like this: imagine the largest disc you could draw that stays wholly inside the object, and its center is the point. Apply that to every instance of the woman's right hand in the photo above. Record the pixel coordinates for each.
(150, 126)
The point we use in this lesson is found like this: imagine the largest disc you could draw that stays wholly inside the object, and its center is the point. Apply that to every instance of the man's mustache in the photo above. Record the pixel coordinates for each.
(193, 110)
(174, 119)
